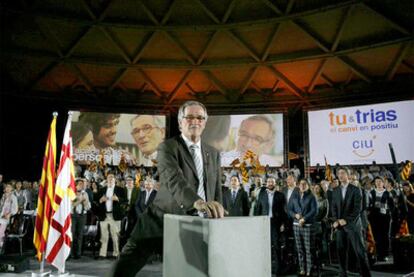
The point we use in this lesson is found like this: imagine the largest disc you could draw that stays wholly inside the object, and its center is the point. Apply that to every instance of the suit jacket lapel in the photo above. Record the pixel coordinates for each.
(206, 162)
(187, 156)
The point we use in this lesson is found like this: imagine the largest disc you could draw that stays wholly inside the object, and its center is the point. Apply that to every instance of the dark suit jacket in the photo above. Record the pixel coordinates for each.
(240, 207)
(278, 208)
(140, 205)
(349, 208)
(130, 205)
(118, 211)
(305, 206)
(178, 177)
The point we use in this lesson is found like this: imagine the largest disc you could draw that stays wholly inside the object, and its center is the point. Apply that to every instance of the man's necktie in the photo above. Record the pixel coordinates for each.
(233, 196)
(199, 168)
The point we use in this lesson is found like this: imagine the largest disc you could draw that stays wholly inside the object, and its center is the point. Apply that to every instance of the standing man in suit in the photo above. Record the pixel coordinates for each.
(190, 184)
(132, 193)
(236, 200)
(272, 203)
(80, 206)
(146, 197)
(111, 199)
(346, 211)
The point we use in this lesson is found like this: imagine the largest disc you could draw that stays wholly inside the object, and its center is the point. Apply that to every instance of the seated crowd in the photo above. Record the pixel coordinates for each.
(303, 219)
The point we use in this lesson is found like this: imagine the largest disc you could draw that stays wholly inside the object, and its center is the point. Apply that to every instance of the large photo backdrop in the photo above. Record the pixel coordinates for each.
(234, 135)
(361, 134)
(110, 138)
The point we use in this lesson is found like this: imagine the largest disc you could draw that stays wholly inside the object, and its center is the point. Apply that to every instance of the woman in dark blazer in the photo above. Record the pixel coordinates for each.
(303, 210)
(380, 209)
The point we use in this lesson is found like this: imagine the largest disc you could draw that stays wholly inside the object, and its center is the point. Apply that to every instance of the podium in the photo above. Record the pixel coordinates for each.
(227, 247)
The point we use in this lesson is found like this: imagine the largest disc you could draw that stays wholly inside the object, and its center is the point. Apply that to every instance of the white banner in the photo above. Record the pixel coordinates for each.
(361, 134)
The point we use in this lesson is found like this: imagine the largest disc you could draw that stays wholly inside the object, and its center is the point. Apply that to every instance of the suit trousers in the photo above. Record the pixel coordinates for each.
(304, 240)
(274, 239)
(145, 240)
(353, 236)
(114, 227)
(78, 225)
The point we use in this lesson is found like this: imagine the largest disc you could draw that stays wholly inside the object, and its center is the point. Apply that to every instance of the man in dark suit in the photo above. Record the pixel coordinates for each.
(190, 178)
(146, 197)
(346, 211)
(132, 193)
(236, 200)
(110, 212)
(272, 203)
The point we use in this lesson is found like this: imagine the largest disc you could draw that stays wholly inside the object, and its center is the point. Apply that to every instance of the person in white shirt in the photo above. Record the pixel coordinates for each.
(8, 208)
(80, 207)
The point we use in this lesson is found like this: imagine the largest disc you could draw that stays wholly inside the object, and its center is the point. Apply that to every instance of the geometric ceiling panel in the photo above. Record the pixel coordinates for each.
(199, 82)
(129, 39)
(188, 12)
(224, 47)
(96, 44)
(132, 80)
(195, 42)
(300, 73)
(291, 39)
(256, 38)
(100, 76)
(318, 22)
(376, 61)
(231, 77)
(63, 33)
(363, 25)
(257, 10)
(217, 7)
(60, 76)
(217, 50)
(162, 48)
(128, 13)
(166, 79)
(264, 78)
(336, 70)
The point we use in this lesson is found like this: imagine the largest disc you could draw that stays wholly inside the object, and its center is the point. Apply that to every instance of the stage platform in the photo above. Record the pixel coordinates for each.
(89, 267)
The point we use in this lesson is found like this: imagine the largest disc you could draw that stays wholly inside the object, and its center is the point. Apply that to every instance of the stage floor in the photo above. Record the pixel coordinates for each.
(89, 267)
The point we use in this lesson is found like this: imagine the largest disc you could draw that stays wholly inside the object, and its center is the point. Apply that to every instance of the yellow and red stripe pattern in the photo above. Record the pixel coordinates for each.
(328, 171)
(60, 235)
(46, 193)
(406, 170)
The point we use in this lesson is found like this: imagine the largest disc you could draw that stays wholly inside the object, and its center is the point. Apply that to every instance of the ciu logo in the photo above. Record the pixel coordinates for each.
(364, 148)
(361, 117)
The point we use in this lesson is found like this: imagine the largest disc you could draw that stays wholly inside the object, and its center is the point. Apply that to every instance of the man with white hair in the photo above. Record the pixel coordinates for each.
(148, 132)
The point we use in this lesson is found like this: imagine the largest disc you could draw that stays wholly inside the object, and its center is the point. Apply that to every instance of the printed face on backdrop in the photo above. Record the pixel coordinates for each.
(107, 133)
(147, 134)
(86, 142)
(256, 136)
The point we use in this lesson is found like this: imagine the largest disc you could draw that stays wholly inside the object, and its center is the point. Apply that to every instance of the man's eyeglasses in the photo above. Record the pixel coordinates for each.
(256, 139)
(192, 117)
(146, 129)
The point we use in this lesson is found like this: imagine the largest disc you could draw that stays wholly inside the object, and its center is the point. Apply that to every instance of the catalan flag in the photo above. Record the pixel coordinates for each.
(328, 171)
(60, 234)
(137, 180)
(244, 172)
(406, 170)
(46, 192)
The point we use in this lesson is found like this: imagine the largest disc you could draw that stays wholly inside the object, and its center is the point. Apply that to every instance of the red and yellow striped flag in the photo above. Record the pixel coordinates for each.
(244, 172)
(328, 171)
(46, 192)
(406, 170)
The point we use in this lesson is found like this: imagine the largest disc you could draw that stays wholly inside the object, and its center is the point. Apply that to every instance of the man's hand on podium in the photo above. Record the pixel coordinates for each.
(213, 209)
